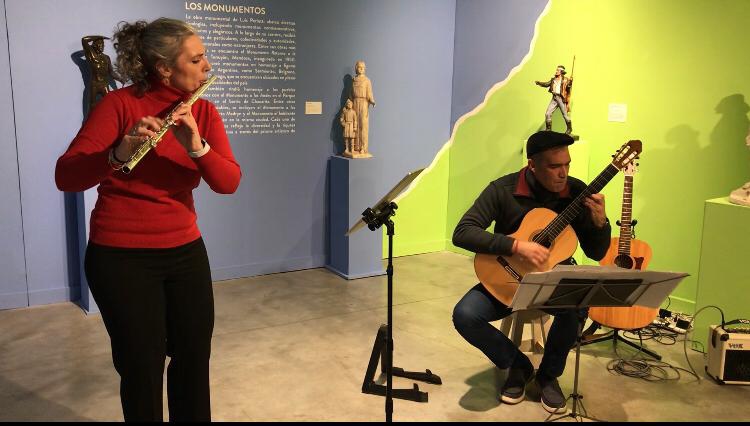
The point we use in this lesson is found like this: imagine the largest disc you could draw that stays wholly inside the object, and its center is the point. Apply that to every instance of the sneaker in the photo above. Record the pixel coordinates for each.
(553, 399)
(514, 388)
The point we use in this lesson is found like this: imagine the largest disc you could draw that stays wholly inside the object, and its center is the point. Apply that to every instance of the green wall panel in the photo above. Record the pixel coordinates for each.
(723, 276)
(419, 223)
(678, 65)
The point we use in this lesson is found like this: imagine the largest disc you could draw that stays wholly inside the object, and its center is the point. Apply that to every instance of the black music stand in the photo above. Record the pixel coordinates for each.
(375, 217)
(579, 287)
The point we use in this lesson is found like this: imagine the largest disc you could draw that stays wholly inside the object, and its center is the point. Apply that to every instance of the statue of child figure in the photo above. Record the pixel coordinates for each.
(348, 120)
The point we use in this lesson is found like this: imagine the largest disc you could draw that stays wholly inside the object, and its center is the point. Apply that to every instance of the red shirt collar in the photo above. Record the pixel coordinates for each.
(162, 93)
(523, 189)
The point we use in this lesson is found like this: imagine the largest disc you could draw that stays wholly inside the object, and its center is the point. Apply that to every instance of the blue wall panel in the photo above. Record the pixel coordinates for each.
(281, 206)
(492, 37)
(277, 219)
(13, 291)
(45, 45)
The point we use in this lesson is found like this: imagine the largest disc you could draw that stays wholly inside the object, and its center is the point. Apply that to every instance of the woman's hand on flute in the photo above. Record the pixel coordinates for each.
(143, 129)
(186, 129)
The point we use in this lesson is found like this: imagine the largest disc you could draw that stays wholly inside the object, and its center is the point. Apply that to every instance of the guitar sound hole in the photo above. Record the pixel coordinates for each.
(541, 240)
(545, 242)
(624, 261)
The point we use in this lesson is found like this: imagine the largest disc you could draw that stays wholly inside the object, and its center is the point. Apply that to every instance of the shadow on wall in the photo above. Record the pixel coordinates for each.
(73, 201)
(732, 129)
(79, 58)
(337, 133)
(686, 174)
(672, 170)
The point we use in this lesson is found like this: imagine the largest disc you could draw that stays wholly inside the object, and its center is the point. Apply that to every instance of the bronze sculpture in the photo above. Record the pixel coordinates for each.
(100, 67)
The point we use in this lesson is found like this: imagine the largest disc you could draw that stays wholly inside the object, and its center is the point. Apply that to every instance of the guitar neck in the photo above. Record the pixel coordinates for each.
(563, 219)
(626, 229)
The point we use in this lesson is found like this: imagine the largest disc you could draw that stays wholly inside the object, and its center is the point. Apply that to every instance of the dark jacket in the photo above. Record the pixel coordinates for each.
(507, 200)
(565, 86)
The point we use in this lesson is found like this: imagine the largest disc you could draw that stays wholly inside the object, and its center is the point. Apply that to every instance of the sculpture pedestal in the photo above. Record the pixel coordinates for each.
(351, 190)
(356, 155)
(723, 273)
(85, 202)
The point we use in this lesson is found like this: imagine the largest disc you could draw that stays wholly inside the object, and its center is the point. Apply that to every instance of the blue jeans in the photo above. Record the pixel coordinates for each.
(474, 312)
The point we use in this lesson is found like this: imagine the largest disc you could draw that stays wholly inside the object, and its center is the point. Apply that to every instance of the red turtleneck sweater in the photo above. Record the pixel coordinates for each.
(152, 207)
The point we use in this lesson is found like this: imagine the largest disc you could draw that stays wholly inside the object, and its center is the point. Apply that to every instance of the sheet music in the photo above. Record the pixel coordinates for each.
(387, 198)
(537, 287)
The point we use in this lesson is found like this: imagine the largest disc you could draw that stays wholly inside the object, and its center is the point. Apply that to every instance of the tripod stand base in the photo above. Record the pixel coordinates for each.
(576, 416)
(615, 337)
(575, 397)
(370, 387)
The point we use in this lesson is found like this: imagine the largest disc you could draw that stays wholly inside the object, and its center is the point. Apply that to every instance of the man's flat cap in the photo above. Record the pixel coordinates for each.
(546, 139)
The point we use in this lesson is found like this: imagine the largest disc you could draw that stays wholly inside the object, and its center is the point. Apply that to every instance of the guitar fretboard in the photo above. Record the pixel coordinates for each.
(626, 236)
(562, 220)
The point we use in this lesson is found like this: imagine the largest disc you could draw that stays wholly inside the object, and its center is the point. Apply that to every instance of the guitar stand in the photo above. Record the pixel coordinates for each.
(383, 347)
(615, 334)
(616, 337)
(379, 351)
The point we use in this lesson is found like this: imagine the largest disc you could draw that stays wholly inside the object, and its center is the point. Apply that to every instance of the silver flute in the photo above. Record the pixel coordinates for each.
(168, 122)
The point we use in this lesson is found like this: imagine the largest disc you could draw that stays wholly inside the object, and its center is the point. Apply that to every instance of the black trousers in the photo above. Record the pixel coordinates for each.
(154, 303)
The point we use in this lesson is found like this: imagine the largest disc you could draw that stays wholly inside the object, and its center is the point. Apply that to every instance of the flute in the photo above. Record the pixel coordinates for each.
(169, 122)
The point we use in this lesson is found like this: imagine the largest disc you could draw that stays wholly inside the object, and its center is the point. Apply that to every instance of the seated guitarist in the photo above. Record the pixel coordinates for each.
(544, 182)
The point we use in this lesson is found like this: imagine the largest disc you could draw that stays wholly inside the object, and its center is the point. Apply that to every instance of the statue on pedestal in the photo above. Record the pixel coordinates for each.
(741, 195)
(100, 67)
(361, 97)
(560, 87)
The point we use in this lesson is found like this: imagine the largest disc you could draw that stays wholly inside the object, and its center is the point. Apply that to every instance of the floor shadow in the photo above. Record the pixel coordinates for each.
(23, 404)
(484, 391)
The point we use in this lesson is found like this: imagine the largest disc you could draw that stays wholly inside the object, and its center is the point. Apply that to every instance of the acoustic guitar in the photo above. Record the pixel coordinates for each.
(629, 253)
(501, 275)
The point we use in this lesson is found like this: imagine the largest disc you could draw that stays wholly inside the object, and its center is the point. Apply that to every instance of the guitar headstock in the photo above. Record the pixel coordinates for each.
(627, 154)
(631, 168)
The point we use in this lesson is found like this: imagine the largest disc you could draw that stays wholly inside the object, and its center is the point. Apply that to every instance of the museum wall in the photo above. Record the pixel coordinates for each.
(675, 67)
(276, 221)
(453, 81)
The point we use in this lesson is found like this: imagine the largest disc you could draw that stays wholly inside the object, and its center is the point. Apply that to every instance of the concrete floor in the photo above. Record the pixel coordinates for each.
(295, 346)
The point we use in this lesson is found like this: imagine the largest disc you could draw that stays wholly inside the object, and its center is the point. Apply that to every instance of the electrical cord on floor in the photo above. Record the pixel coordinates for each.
(690, 330)
(652, 370)
(642, 368)
(652, 332)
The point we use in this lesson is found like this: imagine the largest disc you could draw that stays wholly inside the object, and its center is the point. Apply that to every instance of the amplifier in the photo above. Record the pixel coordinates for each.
(729, 355)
